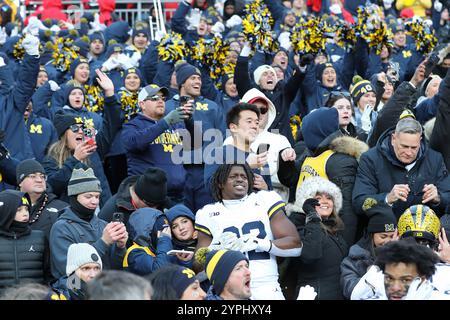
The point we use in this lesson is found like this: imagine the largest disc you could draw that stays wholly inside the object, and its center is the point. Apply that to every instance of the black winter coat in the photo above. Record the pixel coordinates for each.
(341, 169)
(48, 213)
(379, 170)
(355, 265)
(22, 259)
(320, 261)
(441, 131)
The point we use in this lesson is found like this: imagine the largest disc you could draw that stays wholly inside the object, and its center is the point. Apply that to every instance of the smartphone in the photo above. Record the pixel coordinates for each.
(89, 136)
(263, 147)
(117, 217)
(184, 100)
(174, 252)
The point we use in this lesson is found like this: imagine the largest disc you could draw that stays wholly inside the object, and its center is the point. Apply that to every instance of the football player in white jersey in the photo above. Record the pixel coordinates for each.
(251, 222)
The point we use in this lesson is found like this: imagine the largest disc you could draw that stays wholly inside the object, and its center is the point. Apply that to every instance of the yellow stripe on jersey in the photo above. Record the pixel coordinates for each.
(213, 263)
(275, 208)
(203, 229)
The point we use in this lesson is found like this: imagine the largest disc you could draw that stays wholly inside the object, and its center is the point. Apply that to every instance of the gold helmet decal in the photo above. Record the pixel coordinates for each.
(419, 221)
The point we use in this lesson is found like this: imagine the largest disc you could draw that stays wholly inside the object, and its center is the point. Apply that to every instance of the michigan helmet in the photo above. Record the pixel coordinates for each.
(419, 221)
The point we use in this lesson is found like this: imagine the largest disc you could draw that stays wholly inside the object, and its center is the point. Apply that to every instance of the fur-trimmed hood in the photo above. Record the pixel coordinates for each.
(310, 187)
(349, 145)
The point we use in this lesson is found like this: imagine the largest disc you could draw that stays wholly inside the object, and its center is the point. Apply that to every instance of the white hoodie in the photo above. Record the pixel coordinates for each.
(277, 143)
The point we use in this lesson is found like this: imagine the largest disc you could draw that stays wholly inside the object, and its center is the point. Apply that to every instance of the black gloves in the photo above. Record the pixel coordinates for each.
(309, 208)
(306, 60)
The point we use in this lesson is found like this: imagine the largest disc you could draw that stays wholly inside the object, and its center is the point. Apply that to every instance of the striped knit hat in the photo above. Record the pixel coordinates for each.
(219, 265)
(83, 181)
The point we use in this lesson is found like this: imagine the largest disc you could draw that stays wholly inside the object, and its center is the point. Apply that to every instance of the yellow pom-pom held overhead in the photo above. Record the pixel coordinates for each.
(423, 36)
(172, 47)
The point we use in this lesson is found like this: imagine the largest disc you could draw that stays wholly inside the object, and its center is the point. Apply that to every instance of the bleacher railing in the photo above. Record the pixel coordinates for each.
(74, 8)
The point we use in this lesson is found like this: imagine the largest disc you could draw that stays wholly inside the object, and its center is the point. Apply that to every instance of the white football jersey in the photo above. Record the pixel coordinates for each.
(250, 214)
(441, 278)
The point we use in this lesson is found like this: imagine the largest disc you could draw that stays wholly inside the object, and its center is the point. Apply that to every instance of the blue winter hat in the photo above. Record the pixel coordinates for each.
(318, 125)
(118, 31)
(182, 278)
(320, 68)
(184, 71)
(180, 210)
(97, 36)
(112, 48)
(81, 47)
(219, 265)
(135, 32)
(75, 63)
(136, 71)
(68, 89)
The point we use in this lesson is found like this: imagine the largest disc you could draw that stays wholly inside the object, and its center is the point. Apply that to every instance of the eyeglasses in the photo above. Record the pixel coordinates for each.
(76, 127)
(263, 110)
(35, 176)
(156, 98)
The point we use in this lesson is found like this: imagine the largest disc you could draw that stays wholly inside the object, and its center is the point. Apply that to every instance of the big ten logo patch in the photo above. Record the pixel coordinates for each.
(36, 128)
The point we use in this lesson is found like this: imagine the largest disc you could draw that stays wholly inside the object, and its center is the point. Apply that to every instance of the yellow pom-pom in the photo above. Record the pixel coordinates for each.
(112, 41)
(200, 256)
(356, 79)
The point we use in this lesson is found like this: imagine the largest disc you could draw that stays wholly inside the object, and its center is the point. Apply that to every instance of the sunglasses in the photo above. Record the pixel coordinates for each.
(156, 98)
(76, 127)
(340, 93)
(263, 110)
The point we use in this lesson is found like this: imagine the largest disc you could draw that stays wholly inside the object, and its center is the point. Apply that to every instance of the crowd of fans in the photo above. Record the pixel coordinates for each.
(239, 150)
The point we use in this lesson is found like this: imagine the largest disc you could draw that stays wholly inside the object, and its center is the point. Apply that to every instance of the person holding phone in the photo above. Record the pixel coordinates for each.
(151, 240)
(72, 148)
(267, 142)
(150, 139)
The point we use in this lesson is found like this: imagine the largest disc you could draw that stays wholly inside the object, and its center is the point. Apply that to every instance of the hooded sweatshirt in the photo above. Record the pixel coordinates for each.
(277, 142)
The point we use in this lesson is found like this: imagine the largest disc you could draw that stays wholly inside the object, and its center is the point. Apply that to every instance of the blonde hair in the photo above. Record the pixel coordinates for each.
(60, 151)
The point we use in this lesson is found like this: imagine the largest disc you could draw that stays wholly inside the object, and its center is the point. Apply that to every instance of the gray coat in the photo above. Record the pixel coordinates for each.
(355, 265)
(68, 229)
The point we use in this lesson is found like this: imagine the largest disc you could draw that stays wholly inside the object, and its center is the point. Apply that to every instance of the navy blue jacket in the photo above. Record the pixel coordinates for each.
(42, 134)
(58, 178)
(379, 170)
(207, 115)
(8, 172)
(150, 143)
(140, 227)
(12, 108)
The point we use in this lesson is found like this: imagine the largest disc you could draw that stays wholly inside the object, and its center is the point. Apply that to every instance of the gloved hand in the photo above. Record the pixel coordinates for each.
(366, 121)
(306, 60)
(159, 35)
(443, 53)
(3, 36)
(193, 19)
(53, 85)
(285, 40)
(31, 45)
(307, 293)
(370, 286)
(54, 28)
(437, 5)
(226, 240)
(125, 61)
(34, 24)
(2, 62)
(14, 32)
(96, 25)
(175, 116)
(111, 64)
(218, 27)
(387, 4)
(235, 20)
(336, 9)
(309, 208)
(419, 290)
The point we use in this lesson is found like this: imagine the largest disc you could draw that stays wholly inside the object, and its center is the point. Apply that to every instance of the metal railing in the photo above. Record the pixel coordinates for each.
(74, 8)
